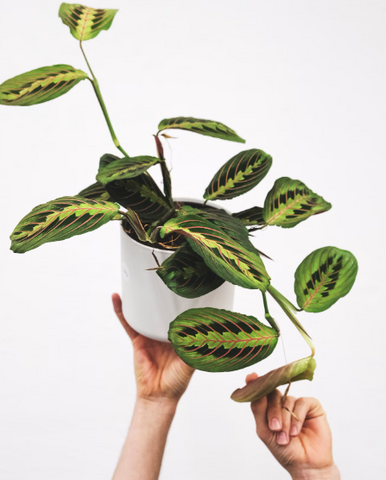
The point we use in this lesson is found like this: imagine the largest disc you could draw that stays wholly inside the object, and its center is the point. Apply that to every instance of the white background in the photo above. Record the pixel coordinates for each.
(303, 80)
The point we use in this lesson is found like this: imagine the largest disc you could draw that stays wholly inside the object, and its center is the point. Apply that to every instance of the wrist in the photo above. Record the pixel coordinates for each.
(164, 407)
(328, 473)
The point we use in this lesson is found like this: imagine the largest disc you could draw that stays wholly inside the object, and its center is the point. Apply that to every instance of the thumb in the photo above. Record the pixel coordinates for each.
(117, 304)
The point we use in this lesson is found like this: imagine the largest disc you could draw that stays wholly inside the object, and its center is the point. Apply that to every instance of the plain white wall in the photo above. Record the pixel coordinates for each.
(303, 80)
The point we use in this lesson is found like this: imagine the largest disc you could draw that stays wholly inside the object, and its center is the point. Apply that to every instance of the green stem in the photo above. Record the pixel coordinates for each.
(268, 316)
(285, 305)
(98, 93)
(284, 299)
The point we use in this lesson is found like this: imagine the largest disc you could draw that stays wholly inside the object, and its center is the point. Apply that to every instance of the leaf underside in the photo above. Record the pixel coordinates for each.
(290, 202)
(217, 340)
(60, 219)
(85, 23)
(251, 216)
(239, 175)
(122, 168)
(203, 127)
(293, 372)
(187, 275)
(228, 258)
(39, 85)
(323, 277)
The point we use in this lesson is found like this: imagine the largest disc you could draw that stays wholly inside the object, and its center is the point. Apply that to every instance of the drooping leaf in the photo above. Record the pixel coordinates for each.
(252, 216)
(106, 159)
(60, 219)
(290, 202)
(142, 195)
(239, 175)
(40, 85)
(217, 340)
(96, 191)
(85, 23)
(323, 277)
(226, 257)
(187, 275)
(165, 172)
(126, 167)
(204, 127)
(293, 372)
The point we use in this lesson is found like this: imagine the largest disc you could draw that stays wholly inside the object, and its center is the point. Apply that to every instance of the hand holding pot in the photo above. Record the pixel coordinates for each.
(160, 374)
(304, 446)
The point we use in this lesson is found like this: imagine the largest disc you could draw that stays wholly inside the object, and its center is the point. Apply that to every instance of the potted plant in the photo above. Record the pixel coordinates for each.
(197, 248)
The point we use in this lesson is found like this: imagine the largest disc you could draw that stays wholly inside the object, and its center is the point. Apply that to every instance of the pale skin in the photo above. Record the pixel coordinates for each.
(303, 447)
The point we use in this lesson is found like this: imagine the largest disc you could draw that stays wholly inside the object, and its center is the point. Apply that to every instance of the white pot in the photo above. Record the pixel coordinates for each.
(148, 304)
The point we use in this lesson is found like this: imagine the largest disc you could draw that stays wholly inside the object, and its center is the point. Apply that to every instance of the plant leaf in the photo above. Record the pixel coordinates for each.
(239, 175)
(60, 219)
(323, 277)
(40, 85)
(142, 195)
(187, 275)
(85, 23)
(252, 216)
(96, 191)
(217, 340)
(204, 127)
(122, 168)
(293, 372)
(290, 202)
(226, 257)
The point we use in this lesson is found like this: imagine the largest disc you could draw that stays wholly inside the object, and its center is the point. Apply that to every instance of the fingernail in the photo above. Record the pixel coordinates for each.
(294, 430)
(275, 424)
(282, 438)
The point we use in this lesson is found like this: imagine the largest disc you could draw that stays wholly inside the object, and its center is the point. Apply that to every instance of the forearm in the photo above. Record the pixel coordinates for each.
(329, 473)
(142, 452)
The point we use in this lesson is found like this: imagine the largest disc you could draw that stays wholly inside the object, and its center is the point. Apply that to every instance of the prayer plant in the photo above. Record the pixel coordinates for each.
(210, 246)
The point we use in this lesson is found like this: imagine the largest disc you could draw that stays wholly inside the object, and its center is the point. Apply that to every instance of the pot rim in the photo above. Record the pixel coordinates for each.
(178, 199)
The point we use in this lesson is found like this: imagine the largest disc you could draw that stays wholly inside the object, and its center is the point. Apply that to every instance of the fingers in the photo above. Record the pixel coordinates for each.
(305, 408)
(283, 437)
(274, 411)
(259, 410)
(117, 304)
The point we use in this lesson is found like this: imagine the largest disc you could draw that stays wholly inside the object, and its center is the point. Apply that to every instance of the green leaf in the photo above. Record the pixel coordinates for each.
(323, 277)
(239, 175)
(204, 127)
(226, 257)
(40, 85)
(60, 219)
(293, 372)
(252, 216)
(85, 23)
(217, 340)
(290, 202)
(142, 195)
(122, 168)
(187, 275)
(96, 191)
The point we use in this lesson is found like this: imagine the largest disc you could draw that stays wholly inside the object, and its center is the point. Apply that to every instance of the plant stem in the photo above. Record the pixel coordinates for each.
(267, 314)
(98, 93)
(285, 305)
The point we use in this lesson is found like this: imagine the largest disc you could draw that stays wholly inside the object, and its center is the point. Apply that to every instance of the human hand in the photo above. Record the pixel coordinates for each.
(160, 374)
(304, 446)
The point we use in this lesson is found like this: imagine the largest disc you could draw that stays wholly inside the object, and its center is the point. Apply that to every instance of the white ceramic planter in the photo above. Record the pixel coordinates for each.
(148, 304)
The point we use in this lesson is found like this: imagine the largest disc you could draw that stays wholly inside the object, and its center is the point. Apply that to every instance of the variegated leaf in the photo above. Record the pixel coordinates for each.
(323, 277)
(239, 175)
(290, 202)
(60, 219)
(96, 191)
(40, 85)
(187, 275)
(226, 257)
(85, 23)
(126, 167)
(293, 372)
(142, 195)
(252, 216)
(204, 127)
(217, 340)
